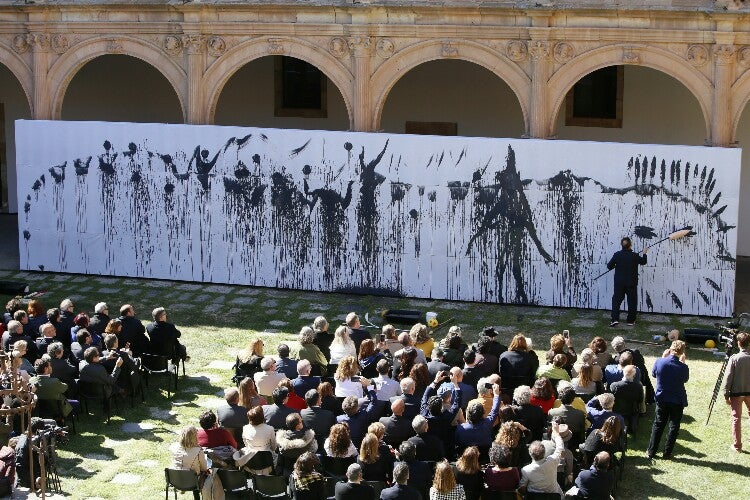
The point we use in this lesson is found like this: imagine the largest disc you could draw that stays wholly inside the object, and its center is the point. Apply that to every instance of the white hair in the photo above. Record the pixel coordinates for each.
(522, 395)
(618, 343)
(266, 363)
(419, 424)
(341, 336)
(628, 373)
(66, 304)
(351, 319)
(407, 385)
(306, 335)
(100, 307)
(320, 324)
(304, 367)
(14, 325)
(587, 356)
(481, 388)
(607, 400)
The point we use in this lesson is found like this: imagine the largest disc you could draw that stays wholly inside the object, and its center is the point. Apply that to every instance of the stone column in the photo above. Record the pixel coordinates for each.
(40, 45)
(195, 47)
(362, 105)
(541, 66)
(721, 115)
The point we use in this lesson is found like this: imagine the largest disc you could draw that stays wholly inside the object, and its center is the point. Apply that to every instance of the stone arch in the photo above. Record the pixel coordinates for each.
(391, 71)
(740, 97)
(219, 73)
(611, 55)
(21, 71)
(66, 67)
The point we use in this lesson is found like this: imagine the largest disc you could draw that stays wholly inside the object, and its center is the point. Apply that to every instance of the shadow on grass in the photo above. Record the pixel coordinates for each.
(640, 481)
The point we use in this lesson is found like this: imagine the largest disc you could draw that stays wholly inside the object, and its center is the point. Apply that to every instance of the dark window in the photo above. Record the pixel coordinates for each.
(431, 128)
(300, 89)
(596, 99)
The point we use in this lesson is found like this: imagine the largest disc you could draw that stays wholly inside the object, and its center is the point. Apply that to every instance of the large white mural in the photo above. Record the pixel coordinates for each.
(480, 219)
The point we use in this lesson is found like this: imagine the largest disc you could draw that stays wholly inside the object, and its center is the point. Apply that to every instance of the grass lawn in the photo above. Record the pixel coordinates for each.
(124, 461)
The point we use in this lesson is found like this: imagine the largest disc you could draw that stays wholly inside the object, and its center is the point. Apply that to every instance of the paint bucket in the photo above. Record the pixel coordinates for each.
(430, 315)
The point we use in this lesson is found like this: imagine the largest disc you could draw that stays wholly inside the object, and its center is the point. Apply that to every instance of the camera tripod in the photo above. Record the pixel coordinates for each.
(728, 339)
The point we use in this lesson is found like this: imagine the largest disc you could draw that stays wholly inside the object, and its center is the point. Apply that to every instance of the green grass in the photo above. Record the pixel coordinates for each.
(217, 320)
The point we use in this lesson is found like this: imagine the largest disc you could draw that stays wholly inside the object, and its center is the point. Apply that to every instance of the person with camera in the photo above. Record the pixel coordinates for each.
(92, 371)
(737, 386)
(671, 374)
(440, 420)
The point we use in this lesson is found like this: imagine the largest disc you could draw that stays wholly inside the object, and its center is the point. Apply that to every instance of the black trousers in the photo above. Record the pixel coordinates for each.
(631, 292)
(666, 413)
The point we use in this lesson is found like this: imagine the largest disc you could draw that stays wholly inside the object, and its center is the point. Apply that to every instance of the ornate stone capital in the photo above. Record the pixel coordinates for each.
(448, 50)
(59, 43)
(39, 42)
(194, 44)
(516, 50)
(697, 55)
(631, 56)
(216, 46)
(359, 45)
(539, 50)
(276, 46)
(563, 52)
(385, 48)
(724, 54)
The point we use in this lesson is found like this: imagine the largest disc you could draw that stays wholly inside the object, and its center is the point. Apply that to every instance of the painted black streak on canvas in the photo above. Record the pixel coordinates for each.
(108, 199)
(676, 300)
(368, 217)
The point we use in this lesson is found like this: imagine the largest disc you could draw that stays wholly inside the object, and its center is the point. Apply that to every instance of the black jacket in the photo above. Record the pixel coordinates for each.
(353, 491)
(625, 263)
(163, 338)
(595, 484)
(98, 323)
(134, 332)
(397, 429)
(320, 421)
(429, 447)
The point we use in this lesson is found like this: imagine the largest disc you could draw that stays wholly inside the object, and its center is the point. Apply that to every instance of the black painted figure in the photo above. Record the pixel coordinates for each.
(510, 215)
(368, 215)
(625, 263)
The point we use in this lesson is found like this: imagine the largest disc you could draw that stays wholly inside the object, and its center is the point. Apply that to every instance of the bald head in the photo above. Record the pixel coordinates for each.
(457, 374)
(398, 407)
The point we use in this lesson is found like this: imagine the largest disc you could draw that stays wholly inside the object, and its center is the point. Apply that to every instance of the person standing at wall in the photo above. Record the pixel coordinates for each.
(625, 263)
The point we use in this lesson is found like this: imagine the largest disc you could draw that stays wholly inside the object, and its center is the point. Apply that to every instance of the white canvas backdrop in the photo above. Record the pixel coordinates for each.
(485, 219)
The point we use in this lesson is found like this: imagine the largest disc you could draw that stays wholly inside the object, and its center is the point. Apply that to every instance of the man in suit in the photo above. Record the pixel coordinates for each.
(429, 447)
(420, 474)
(13, 335)
(436, 363)
(397, 427)
(574, 418)
(598, 481)
(628, 396)
(83, 342)
(613, 372)
(92, 371)
(618, 345)
(130, 378)
(357, 416)
(354, 488)
(49, 388)
(671, 373)
(412, 403)
(267, 380)
(67, 314)
(100, 319)
(133, 331)
(472, 372)
(48, 337)
(286, 365)
(304, 381)
(62, 367)
(316, 418)
(527, 414)
(357, 333)
(625, 263)
(232, 416)
(276, 413)
(540, 476)
(163, 337)
(401, 490)
(440, 419)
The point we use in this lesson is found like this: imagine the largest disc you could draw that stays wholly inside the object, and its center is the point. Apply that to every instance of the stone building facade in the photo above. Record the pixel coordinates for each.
(539, 50)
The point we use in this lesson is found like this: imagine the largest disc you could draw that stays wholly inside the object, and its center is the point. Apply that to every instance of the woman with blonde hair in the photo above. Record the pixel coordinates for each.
(347, 382)
(342, 345)
(375, 465)
(584, 383)
(562, 345)
(518, 365)
(420, 337)
(588, 358)
(248, 360)
(444, 486)
(339, 442)
(249, 397)
(469, 473)
(188, 455)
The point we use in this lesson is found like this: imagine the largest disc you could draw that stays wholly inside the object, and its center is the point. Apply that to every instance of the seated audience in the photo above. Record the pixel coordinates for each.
(15, 333)
(130, 376)
(386, 388)
(354, 488)
(249, 397)
(294, 439)
(440, 420)
(342, 346)
(133, 332)
(599, 409)
(256, 436)
(62, 368)
(628, 394)
(391, 342)
(608, 439)
(518, 364)
(317, 418)
(187, 454)
(454, 347)
(37, 316)
(49, 388)
(308, 483)
(356, 332)
(79, 346)
(327, 400)
(47, 337)
(268, 380)
(420, 473)
(444, 486)
(599, 346)
(81, 322)
(584, 384)
(437, 363)
(588, 358)
(347, 382)
(567, 414)
(540, 476)
(294, 401)
(430, 448)
(232, 415)
(408, 343)
(512, 436)
(487, 363)
(304, 381)
(613, 372)
(554, 370)
(275, 414)
(542, 394)
(477, 431)
(98, 322)
(210, 435)
(339, 444)
(248, 360)
(284, 364)
(421, 377)
(561, 345)
(501, 475)
(472, 372)
(421, 339)
(67, 315)
(469, 474)
(357, 416)
(376, 466)
(92, 371)
(163, 338)
(310, 352)
(531, 416)
(401, 489)
(322, 338)
(398, 426)
(370, 356)
(19, 351)
(618, 344)
(597, 482)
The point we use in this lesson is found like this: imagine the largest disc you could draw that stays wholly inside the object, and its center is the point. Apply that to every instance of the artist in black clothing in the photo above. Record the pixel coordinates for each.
(625, 263)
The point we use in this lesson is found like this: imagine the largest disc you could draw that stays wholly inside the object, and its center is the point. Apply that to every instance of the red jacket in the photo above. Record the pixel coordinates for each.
(295, 402)
(216, 437)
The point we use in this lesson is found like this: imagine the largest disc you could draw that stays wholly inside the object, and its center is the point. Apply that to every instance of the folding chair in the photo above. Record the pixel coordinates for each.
(235, 483)
(96, 392)
(181, 480)
(155, 364)
(271, 487)
(336, 466)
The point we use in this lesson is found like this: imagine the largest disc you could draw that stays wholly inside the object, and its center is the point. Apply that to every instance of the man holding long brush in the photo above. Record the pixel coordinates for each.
(625, 263)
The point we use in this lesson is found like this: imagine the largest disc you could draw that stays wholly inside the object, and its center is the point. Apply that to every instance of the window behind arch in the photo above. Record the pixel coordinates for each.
(596, 99)
(300, 89)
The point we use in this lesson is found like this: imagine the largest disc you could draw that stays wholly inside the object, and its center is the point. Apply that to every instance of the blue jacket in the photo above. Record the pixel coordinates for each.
(595, 484)
(671, 375)
(468, 434)
(359, 422)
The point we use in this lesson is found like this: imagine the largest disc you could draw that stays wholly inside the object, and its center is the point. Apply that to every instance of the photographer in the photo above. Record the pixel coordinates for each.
(737, 386)
(39, 427)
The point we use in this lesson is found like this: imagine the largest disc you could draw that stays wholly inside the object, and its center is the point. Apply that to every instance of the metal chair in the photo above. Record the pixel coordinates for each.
(181, 480)
(155, 364)
(378, 486)
(96, 392)
(235, 483)
(271, 487)
(335, 466)
(261, 460)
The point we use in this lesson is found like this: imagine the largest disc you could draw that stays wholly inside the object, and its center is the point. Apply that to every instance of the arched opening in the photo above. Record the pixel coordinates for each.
(452, 97)
(655, 109)
(281, 92)
(117, 87)
(14, 105)
(743, 140)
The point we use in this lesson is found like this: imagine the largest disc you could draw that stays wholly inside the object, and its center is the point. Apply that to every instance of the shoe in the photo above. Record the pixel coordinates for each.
(187, 359)
(738, 450)
(614, 323)
(667, 456)
(631, 323)
(650, 455)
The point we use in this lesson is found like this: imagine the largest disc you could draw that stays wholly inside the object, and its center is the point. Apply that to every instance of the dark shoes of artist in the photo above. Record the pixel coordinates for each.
(615, 323)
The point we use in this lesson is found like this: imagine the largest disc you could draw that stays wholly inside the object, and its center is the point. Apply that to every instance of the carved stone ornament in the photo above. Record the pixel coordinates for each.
(216, 46)
(385, 48)
(338, 47)
(38, 41)
(563, 52)
(724, 54)
(448, 50)
(697, 55)
(194, 44)
(516, 50)
(114, 46)
(275, 46)
(59, 43)
(743, 56)
(21, 44)
(359, 45)
(630, 56)
(173, 45)
(539, 49)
